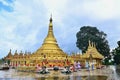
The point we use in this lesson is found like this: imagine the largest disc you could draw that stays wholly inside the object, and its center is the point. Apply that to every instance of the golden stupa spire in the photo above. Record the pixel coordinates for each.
(94, 45)
(50, 45)
(89, 44)
(15, 54)
(10, 51)
(50, 24)
(50, 36)
(15, 51)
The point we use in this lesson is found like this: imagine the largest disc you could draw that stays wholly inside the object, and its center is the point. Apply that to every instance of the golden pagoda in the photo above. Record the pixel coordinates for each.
(50, 53)
(92, 56)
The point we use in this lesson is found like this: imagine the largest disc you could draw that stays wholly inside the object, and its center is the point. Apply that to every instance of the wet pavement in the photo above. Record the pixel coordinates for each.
(108, 73)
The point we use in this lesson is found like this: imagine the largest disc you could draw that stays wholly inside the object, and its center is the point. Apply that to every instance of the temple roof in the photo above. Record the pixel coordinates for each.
(92, 52)
(16, 54)
(9, 55)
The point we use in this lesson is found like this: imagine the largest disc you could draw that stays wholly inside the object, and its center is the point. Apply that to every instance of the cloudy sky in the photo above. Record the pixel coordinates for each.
(24, 23)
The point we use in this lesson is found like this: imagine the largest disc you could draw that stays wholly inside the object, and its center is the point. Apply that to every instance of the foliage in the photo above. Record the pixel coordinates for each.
(116, 53)
(1, 61)
(87, 33)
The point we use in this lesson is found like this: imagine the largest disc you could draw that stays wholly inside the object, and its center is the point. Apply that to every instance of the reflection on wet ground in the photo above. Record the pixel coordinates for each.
(116, 74)
(104, 74)
(74, 78)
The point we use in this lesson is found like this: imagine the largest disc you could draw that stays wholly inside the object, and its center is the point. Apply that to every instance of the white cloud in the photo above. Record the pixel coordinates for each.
(10, 22)
(102, 9)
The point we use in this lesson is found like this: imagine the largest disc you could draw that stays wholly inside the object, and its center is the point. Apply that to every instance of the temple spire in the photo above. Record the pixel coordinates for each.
(51, 18)
(50, 24)
(50, 36)
(92, 44)
(89, 44)
(10, 51)
(15, 51)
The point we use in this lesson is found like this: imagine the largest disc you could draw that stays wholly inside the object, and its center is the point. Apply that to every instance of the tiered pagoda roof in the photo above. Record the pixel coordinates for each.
(92, 52)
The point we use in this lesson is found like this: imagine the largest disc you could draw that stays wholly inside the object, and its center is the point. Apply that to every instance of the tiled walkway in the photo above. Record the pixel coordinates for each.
(109, 72)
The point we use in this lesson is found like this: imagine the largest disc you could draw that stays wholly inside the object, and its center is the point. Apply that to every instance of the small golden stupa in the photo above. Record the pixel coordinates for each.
(9, 56)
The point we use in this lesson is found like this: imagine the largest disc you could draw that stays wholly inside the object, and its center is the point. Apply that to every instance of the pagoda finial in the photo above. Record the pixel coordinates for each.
(15, 51)
(25, 51)
(89, 43)
(50, 24)
(21, 51)
(51, 18)
(10, 50)
(92, 44)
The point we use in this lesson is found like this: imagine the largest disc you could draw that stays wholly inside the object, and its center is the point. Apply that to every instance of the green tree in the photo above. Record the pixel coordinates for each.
(87, 33)
(1, 61)
(116, 53)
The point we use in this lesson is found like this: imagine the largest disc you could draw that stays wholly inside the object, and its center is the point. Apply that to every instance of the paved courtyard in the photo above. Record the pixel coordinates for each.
(98, 74)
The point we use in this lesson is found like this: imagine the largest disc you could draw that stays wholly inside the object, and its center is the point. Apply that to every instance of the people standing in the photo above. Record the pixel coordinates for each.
(92, 66)
(87, 65)
(78, 65)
